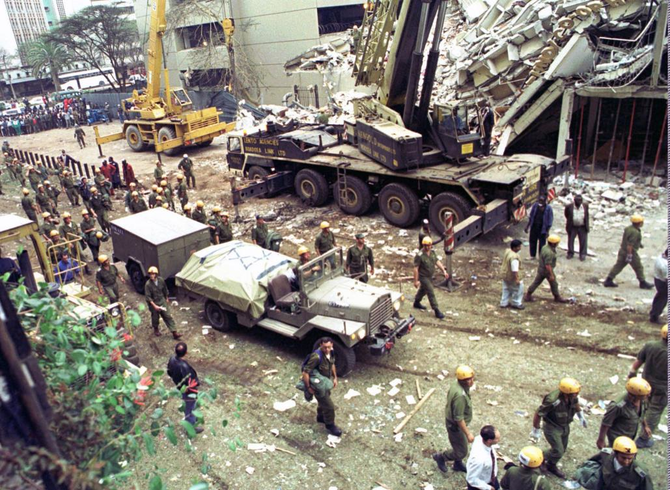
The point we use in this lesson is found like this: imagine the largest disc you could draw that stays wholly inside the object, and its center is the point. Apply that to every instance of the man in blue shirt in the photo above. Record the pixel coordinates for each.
(540, 221)
(66, 268)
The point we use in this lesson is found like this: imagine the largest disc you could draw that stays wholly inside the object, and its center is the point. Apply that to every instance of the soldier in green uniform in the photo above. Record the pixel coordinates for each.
(623, 417)
(527, 476)
(158, 172)
(225, 231)
(654, 356)
(186, 166)
(167, 193)
(545, 270)
(628, 254)
(557, 412)
(618, 468)
(29, 205)
(129, 195)
(458, 414)
(214, 222)
(68, 232)
(43, 200)
(358, 258)
(48, 225)
(53, 194)
(199, 213)
(101, 205)
(153, 196)
(325, 241)
(17, 170)
(424, 268)
(323, 361)
(100, 182)
(34, 178)
(182, 193)
(156, 292)
(137, 203)
(70, 188)
(259, 233)
(187, 210)
(56, 247)
(106, 278)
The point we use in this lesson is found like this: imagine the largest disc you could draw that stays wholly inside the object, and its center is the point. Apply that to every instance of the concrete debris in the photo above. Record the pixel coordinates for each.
(332, 56)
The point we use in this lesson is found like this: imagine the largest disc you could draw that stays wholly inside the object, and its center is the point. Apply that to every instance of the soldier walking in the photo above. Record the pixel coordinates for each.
(167, 193)
(358, 258)
(623, 417)
(28, 205)
(458, 415)
(156, 292)
(53, 194)
(182, 193)
(186, 166)
(106, 278)
(186, 379)
(323, 362)
(631, 242)
(556, 413)
(424, 268)
(79, 135)
(545, 270)
(43, 200)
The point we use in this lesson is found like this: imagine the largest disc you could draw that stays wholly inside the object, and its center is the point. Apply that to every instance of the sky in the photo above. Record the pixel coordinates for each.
(7, 40)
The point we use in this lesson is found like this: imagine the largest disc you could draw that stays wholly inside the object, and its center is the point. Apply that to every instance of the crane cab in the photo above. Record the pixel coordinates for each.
(461, 130)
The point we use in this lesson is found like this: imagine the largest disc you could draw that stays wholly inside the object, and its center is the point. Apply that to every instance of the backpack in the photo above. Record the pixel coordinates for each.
(304, 363)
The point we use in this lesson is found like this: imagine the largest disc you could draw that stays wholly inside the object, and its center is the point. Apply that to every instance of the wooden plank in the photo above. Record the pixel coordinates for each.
(413, 412)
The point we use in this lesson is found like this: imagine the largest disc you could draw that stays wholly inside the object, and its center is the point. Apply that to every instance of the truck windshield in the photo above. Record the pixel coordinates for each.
(320, 269)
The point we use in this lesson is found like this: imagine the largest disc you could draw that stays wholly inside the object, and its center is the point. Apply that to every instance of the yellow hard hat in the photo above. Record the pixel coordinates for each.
(427, 241)
(25, 191)
(153, 270)
(154, 187)
(40, 185)
(200, 204)
(637, 218)
(225, 213)
(187, 207)
(216, 209)
(46, 214)
(569, 386)
(531, 456)
(664, 332)
(102, 258)
(638, 387)
(166, 206)
(66, 215)
(84, 212)
(626, 445)
(159, 190)
(133, 184)
(554, 239)
(98, 234)
(324, 225)
(180, 177)
(302, 250)
(158, 162)
(163, 183)
(159, 198)
(94, 189)
(464, 372)
(47, 182)
(53, 233)
(134, 193)
(97, 170)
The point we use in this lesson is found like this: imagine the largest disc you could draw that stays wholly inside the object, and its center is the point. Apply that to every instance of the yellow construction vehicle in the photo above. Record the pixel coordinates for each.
(168, 123)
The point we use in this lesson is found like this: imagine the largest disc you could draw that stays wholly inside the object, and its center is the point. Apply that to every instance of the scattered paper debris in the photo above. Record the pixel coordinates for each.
(614, 379)
(250, 470)
(283, 406)
(474, 338)
(410, 400)
(333, 441)
(275, 432)
(374, 390)
(585, 333)
(398, 437)
(394, 391)
(420, 430)
(351, 394)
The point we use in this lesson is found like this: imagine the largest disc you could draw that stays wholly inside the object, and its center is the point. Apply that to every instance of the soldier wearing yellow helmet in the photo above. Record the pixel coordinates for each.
(654, 356)
(199, 213)
(259, 233)
(225, 231)
(182, 192)
(527, 476)
(214, 222)
(424, 268)
(28, 205)
(187, 210)
(106, 278)
(545, 270)
(556, 412)
(458, 415)
(158, 172)
(156, 294)
(623, 416)
(153, 196)
(325, 241)
(631, 242)
(616, 468)
(137, 203)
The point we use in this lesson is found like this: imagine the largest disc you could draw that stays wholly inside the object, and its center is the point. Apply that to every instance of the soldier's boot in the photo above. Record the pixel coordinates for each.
(561, 299)
(644, 443)
(419, 306)
(459, 466)
(319, 418)
(528, 297)
(656, 320)
(552, 468)
(646, 285)
(439, 315)
(334, 430)
(441, 463)
(609, 283)
(198, 430)
(176, 335)
(157, 332)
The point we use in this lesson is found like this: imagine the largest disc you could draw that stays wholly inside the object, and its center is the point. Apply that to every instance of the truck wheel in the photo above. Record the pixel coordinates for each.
(357, 199)
(167, 133)
(345, 357)
(448, 202)
(131, 351)
(399, 205)
(134, 360)
(257, 173)
(311, 187)
(136, 277)
(134, 139)
(221, 320)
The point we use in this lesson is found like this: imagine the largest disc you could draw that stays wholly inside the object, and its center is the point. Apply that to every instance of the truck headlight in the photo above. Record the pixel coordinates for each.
(396, 305)
(360, 334)
(115, 312)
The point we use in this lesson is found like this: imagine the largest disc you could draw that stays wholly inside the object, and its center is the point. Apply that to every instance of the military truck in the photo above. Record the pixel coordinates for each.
(243, 284)
(37, 267)
(156, 237)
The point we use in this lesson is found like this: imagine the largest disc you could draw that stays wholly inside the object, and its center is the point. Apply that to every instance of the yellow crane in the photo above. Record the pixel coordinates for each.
(168, 123)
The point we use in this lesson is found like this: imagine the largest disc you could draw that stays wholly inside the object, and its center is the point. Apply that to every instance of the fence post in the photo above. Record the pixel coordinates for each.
(88, 173)
(32, 157)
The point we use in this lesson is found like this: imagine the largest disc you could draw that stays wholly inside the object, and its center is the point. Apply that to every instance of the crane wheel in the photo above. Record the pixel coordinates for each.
(167, 133)
(448, 202)
(399, 205)
(134, 139)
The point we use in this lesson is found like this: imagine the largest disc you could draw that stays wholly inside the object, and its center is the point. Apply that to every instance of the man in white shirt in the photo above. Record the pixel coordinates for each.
(661, 283)
(482, 466)
(577, 226)
(512, 286)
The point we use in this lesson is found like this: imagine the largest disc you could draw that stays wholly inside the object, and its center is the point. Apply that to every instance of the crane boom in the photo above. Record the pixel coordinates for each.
(155, 49)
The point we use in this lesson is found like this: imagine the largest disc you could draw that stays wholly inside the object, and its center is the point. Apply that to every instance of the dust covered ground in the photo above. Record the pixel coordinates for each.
(518, 356)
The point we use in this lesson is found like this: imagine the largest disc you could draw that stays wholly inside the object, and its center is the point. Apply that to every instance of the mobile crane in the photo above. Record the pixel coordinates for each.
(406, 155)
(166, 123)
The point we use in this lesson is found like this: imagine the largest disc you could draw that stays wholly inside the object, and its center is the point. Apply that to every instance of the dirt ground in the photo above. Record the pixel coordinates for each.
(518, 356)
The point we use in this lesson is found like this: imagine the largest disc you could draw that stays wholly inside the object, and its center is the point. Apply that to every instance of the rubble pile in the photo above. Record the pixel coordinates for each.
(332, 56)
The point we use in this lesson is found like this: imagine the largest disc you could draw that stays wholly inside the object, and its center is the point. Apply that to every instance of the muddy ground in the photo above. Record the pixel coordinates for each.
(518, 356)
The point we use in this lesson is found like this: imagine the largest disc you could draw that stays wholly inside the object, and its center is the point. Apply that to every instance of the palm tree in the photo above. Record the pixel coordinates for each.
(44, 54)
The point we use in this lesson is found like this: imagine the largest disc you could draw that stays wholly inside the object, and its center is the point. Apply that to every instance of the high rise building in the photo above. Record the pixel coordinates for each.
(27, 20)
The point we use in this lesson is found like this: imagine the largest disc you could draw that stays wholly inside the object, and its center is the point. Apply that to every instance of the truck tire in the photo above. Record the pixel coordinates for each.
(444, 202)
(136, 277)
(134, 139)
(345, 357)
(167, 133)
(221, 320)
(134, 360)
(131, 351)
(311, 187)
(358, 197)
(257, 173)
(399, 205)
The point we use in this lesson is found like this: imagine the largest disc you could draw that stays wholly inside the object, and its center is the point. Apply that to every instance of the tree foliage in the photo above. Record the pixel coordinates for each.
(44, 54)
(98, 35)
